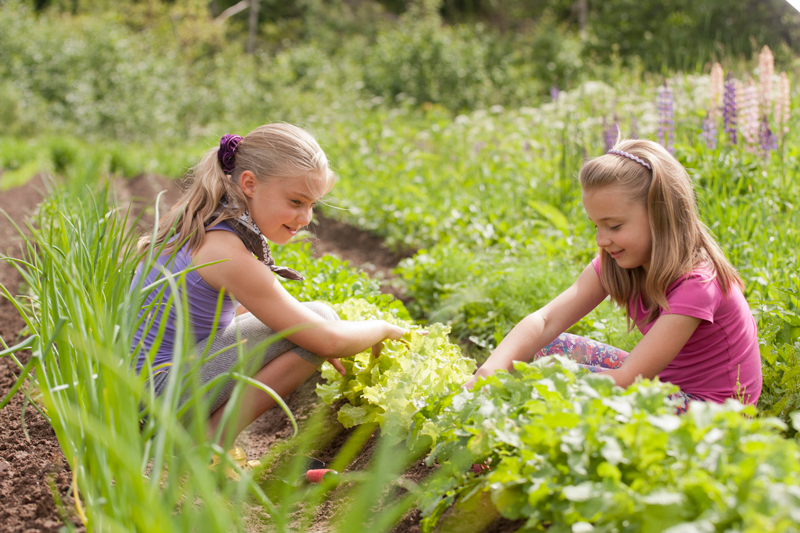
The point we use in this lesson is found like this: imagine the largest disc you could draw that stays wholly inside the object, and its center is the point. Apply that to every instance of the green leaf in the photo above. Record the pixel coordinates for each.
(350, 416)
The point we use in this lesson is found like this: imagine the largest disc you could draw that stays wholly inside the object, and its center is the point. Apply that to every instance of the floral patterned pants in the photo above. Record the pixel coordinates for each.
(597, 357)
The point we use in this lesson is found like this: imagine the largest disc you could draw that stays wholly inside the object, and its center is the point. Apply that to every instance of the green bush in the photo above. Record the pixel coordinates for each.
(685, 34)
(482, 295)
(99, 77)
(331, 280)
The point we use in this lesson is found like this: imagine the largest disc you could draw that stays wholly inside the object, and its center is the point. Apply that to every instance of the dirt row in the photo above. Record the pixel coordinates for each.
(33, 466)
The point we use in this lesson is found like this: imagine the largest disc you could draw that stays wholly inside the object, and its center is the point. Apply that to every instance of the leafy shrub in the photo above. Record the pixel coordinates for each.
(464, 67)
(568, 451)
(331, 280)
(685, 34)
(429, 63)
(482, 295)
(98, 77)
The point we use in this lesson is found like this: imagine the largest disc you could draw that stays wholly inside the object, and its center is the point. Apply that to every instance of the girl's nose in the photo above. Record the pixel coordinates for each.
(602, 239)
(304, 218)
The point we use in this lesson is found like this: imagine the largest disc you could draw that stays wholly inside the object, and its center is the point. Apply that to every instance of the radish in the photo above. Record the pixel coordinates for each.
(316, 476)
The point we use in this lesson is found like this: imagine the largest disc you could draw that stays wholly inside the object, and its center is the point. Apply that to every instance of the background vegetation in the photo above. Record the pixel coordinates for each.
(155, 71)
(456, 129)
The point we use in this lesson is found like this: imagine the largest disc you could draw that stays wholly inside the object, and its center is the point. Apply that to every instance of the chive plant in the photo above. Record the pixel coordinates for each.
(141, 463)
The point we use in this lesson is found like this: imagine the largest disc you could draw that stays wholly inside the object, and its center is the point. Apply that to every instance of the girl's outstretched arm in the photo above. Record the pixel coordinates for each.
(255, 287)
(654, 352)
(538, 329)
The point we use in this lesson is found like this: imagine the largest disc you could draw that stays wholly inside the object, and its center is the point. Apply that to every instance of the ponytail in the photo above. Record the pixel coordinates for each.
(269, 151)
(187, 219)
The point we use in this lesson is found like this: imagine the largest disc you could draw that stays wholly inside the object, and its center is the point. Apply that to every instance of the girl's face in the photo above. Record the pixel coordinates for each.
(623, 229)
(280, 207)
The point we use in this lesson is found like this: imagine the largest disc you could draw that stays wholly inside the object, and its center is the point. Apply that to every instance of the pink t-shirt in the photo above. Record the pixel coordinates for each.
(723, 348)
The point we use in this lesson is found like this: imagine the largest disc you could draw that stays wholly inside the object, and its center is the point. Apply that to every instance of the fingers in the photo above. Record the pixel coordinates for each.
(376, 350)
(337, 364)
(396, 333)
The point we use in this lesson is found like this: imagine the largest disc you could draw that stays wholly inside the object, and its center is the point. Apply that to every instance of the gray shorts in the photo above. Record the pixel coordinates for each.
(244, 326)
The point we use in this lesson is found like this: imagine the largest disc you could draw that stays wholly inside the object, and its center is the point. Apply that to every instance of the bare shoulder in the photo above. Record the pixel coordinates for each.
(219, 245)
(226, 257)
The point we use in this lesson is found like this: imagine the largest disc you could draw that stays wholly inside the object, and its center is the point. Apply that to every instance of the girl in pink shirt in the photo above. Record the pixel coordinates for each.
(658, 261)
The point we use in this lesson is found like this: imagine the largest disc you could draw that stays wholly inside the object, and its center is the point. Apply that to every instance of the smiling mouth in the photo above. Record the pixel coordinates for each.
(615, 254)
(290, 230)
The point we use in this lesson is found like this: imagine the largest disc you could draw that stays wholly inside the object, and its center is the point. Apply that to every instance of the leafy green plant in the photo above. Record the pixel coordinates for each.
(388, 389)
(482, 295)
(566, 450)
(331, 280)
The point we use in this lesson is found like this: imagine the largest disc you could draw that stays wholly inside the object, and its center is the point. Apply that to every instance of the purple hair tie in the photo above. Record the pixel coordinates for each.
(227, 152)
(639, 160)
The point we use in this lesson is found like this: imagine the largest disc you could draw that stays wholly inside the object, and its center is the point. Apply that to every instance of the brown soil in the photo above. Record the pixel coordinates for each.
(28, 467)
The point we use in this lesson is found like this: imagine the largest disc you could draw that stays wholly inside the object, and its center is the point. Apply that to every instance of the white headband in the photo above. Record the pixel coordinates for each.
(639, 160)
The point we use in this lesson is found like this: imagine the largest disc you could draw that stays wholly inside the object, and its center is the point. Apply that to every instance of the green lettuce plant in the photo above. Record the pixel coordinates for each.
(389, 389)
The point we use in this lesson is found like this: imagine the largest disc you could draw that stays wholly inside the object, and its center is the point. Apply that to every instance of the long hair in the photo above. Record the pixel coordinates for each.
(681, 242)
(271, 151)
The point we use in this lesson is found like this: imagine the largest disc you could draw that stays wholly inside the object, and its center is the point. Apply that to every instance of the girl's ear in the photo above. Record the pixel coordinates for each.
(248, 183)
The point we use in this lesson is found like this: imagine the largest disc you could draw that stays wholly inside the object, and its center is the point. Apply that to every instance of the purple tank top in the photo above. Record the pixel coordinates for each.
(202, 300)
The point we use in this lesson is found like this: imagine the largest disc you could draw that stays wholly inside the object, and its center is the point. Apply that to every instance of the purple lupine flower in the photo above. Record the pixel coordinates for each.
(767, 140)
(666, 117)
(710, 131)
(729, 109)
(554, 93)
(634, 127)
(610, 133)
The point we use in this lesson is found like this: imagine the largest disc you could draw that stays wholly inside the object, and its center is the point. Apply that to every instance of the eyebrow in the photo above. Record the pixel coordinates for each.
(302, 196)
(618, 217)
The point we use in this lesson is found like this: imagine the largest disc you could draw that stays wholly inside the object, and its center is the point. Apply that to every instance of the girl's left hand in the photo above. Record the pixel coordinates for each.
(337, 364)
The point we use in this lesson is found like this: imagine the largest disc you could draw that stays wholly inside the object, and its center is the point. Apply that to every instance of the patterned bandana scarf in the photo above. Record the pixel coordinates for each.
(246, 229)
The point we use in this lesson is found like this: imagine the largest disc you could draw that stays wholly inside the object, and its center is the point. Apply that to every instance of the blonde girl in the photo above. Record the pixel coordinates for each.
(658, 262)
(253, 189)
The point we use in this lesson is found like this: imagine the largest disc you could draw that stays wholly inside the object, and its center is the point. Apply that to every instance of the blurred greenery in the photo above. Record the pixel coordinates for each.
(456, 128)
(165, 70)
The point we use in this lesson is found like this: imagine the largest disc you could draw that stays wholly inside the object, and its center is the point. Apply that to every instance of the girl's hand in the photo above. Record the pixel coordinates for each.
(393, 332)
(471, 383)
(337, 364)
(483, 372)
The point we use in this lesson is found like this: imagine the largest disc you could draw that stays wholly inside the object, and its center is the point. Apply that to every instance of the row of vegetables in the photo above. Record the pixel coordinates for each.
(564, 449)
(560, 449)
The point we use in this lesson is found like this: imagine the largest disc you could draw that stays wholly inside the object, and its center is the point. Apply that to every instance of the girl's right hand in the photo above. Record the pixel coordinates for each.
(471, 383)
(483, 372)
(393, 332)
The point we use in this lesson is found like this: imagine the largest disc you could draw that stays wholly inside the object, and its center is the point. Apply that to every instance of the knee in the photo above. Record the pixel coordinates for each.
(323, 310)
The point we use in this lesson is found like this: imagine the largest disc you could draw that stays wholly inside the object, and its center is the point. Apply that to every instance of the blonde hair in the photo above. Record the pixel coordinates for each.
(681, 242)
(271, 151)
